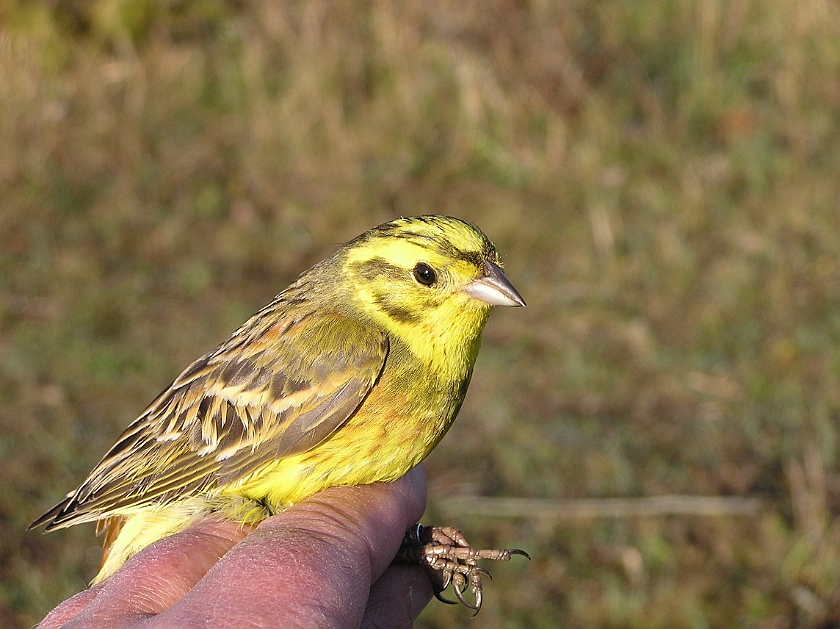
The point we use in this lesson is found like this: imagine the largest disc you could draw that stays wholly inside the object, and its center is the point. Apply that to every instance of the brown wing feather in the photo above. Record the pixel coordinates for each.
(111, 527)
(277, 387)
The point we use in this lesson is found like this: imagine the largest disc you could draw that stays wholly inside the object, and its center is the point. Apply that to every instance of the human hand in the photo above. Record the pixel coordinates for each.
(325, 562)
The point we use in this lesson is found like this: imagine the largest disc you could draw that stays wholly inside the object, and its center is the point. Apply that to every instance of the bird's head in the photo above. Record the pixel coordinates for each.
(428, 279)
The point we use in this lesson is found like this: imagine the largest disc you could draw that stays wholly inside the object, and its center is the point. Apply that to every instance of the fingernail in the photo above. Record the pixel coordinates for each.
(419, 591)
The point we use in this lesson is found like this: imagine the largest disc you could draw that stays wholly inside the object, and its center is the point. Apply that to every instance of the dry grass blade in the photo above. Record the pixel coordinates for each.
(655, 506)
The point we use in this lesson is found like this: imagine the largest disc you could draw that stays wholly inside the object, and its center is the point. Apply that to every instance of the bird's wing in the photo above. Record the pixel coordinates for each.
(279, 386)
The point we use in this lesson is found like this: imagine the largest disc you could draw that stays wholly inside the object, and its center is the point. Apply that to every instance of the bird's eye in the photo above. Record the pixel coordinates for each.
(425, 274)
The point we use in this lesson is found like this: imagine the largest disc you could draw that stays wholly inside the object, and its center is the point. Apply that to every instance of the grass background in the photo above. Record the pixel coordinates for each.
(661, 178)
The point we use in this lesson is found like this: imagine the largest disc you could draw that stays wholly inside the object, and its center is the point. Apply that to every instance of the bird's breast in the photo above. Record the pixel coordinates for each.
(399, 423)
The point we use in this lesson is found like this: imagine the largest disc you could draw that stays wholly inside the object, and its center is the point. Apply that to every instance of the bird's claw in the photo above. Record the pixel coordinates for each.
(445, 551)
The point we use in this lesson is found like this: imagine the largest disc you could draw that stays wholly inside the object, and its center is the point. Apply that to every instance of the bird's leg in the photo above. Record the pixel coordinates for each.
(445, 552)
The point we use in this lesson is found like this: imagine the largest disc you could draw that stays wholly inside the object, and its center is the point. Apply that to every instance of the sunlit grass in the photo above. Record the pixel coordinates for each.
(660, 177)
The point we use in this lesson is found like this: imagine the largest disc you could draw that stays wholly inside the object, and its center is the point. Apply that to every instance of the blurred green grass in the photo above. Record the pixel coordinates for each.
(661, 177)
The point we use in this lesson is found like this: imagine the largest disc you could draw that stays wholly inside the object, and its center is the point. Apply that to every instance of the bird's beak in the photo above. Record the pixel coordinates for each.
(494, 288)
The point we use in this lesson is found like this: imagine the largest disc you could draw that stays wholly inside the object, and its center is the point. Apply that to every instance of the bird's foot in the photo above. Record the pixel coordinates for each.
(451, 559)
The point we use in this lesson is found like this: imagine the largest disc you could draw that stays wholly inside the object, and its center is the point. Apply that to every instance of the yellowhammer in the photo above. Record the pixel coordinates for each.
(351, 375)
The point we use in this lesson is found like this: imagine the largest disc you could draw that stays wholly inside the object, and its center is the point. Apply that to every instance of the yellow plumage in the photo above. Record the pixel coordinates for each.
(351, 375)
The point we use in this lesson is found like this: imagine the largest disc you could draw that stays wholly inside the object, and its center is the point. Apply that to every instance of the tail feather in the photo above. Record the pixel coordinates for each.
(51, 515)
(111, 527)
(64, 514)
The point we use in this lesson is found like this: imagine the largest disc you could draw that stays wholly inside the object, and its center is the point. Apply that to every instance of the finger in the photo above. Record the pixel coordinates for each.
(69, 609)
(317, 559)
(159, 576)
(397, 598)
(375, 517)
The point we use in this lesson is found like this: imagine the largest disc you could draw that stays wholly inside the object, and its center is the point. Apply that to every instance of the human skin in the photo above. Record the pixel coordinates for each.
(324, 563)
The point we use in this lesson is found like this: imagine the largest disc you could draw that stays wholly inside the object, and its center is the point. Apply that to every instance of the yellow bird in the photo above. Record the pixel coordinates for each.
(351, 375)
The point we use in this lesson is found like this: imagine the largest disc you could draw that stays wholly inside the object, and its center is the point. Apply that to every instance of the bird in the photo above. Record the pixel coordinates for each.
(351, 375)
